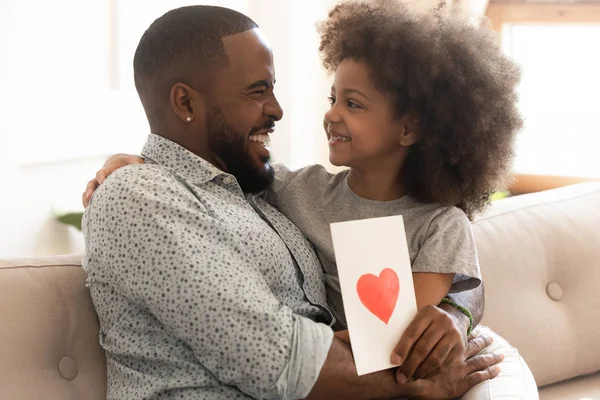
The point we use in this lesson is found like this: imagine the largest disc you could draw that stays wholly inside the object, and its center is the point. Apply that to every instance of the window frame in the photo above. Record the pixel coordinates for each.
(500, 13)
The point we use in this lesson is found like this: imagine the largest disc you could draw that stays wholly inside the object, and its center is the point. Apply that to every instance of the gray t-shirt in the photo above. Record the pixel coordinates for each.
(439, 238)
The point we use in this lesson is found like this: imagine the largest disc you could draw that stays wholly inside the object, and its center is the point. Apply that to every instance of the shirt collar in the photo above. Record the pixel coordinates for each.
(171, 155)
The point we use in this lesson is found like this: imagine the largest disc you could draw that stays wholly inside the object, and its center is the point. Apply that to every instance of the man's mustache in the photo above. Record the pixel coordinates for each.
(270, 124)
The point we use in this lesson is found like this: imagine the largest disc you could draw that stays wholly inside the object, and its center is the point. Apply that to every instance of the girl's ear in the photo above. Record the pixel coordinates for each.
(410, 135)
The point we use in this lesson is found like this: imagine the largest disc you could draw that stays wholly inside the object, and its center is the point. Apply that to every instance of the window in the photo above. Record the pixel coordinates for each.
(559, 98)
(556, 47)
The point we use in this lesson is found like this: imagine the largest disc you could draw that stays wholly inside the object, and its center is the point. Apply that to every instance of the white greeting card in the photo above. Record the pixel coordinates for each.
(377, 288)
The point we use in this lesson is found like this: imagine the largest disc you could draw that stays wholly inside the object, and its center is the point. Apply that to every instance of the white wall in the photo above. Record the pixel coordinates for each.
(475, 7)
(35, 195)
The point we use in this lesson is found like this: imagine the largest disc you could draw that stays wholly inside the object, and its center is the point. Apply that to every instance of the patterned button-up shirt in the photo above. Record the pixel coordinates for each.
(202, 292)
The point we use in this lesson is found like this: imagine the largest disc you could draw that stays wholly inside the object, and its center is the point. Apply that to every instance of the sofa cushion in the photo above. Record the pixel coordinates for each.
(49, 332)
(581, 388)
(540, 260)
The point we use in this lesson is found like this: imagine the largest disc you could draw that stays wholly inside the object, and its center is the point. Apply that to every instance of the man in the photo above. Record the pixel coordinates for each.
(202, 289)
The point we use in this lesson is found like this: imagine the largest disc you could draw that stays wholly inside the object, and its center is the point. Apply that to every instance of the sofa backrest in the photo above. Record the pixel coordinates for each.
(540, 260)
(48, 332)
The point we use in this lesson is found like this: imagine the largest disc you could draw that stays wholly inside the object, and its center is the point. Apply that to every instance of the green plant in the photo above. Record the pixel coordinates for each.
(500, 195)
(72, 218)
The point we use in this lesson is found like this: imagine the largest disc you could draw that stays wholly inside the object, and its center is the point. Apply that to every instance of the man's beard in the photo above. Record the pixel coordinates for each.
(231, 145)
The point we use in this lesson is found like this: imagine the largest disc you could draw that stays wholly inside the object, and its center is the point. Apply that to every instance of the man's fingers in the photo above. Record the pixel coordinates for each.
(411, 335)
(419, 353)
(435, 359)
(483, 361)
(475, 345)
(456, 353)
(480, 376)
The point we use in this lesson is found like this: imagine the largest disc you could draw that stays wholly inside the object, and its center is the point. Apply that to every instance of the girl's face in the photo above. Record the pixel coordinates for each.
(360, 125)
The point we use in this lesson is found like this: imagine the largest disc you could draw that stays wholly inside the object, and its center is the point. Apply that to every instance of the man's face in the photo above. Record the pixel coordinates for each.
(232, 148)
(244, 111)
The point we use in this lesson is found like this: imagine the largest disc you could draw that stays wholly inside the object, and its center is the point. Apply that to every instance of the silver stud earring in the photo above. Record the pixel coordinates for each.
(188, 119)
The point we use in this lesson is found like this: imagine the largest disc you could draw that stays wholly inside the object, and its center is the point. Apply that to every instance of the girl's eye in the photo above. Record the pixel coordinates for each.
(331, 100)
(352, 104)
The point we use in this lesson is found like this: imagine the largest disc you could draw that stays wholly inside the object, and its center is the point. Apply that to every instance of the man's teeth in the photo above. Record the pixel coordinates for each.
(264, 139)
(340, 139)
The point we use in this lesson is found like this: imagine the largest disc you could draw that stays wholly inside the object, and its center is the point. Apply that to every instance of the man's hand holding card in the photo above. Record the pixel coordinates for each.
(377, 287)
(385, 328)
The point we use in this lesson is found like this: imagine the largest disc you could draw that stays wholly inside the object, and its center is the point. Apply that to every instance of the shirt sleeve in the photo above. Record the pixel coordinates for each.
(449, 247)
(193, 274)
(283, 177)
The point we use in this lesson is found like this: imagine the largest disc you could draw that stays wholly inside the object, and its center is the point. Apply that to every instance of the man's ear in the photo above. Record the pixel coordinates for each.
(187, 104)
(411, 133)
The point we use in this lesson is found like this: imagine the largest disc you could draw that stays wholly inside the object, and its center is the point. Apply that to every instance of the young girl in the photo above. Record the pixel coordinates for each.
(423, 113)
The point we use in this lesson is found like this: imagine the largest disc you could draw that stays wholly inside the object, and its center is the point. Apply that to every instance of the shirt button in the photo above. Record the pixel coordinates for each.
(228, 180)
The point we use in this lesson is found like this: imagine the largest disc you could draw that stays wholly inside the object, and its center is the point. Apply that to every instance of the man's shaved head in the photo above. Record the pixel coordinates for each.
(181, 42)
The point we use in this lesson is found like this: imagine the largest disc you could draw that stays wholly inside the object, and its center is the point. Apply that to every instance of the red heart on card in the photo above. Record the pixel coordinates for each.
(379, 293)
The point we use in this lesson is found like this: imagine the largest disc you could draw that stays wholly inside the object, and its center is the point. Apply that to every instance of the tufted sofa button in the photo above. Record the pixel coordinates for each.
(554, 291)
(67, 368)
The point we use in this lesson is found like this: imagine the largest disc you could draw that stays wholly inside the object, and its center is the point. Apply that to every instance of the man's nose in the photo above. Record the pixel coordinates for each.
(273, 110)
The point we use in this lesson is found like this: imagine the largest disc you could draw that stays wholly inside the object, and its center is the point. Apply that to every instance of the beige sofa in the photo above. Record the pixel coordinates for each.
(540, 256)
